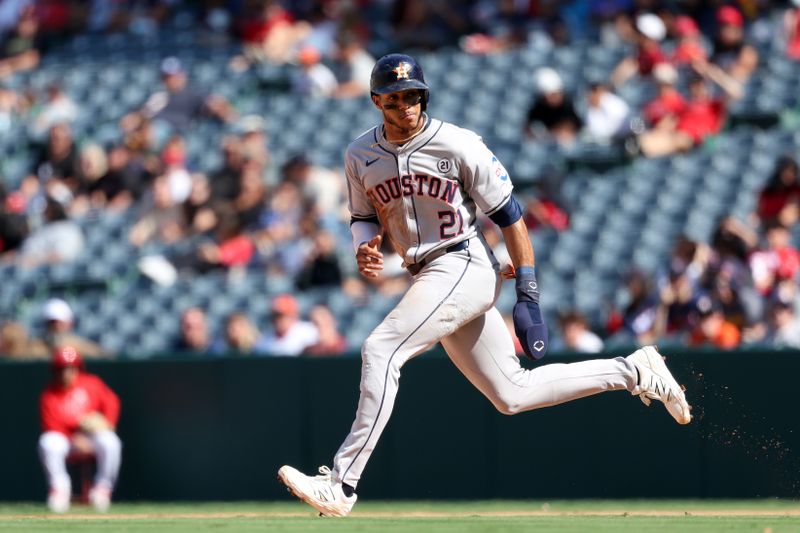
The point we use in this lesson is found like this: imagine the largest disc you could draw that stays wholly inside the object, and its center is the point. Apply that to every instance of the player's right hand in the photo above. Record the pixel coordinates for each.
(370, 258)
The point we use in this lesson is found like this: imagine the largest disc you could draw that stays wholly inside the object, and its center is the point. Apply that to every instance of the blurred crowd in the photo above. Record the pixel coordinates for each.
(739, 289)
(288, 334)
(289, 218)
(693, 77)
(278, 30)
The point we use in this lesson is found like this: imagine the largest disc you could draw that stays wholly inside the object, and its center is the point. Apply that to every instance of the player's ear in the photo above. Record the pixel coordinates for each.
(376, 100)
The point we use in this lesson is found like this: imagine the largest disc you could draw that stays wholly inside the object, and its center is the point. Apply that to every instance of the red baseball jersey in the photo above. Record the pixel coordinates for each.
(61, 409)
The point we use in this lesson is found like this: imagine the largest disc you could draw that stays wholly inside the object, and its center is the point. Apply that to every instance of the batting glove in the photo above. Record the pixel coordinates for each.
(528, 322)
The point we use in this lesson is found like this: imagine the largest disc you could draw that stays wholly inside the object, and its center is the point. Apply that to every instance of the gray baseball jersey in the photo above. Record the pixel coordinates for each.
(425, 192)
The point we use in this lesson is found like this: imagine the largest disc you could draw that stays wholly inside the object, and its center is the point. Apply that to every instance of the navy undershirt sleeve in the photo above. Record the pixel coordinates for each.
(508, 214)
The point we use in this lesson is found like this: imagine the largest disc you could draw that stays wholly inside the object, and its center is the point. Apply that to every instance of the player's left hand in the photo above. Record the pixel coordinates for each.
(528, 321)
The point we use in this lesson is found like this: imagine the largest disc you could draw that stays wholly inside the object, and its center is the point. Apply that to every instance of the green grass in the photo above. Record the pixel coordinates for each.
(634, 516)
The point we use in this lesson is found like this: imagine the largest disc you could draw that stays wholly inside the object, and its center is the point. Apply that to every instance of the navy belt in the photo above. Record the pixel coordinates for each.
(457, 247)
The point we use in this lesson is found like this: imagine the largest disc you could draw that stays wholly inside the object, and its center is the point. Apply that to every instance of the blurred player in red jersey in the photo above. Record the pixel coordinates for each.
(79, 413)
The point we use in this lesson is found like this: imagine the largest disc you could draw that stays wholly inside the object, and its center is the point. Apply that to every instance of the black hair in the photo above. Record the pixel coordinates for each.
(55, 210)
(784, 163)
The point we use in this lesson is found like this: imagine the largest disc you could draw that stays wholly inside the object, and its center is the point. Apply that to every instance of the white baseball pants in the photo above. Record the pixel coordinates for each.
(452, 300)
(54, 448)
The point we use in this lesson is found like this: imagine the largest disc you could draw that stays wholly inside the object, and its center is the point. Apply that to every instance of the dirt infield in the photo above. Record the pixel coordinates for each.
(759, 513)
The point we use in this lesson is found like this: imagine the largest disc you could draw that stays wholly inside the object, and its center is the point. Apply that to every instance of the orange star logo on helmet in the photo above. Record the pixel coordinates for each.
(402, 71)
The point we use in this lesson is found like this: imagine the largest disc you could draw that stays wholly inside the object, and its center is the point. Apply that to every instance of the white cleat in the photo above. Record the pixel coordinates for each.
(656, 383)
(320, 492)
(58, 500)
(100, 498)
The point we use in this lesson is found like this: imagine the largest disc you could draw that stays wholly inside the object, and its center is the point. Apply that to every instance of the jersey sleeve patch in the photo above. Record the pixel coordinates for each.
(498, 170)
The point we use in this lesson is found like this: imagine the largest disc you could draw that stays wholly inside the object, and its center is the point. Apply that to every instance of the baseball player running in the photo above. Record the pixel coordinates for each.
(419, 181)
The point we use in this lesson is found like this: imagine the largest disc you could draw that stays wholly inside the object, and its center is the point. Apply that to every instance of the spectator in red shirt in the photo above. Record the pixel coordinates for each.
(54, 15)
(779, 199)
(269, 33)
(669, 102)
(78, 414)
(703, 115)
(779, 261)
(267, 17)
(545, 213)
(231, 248)
(227, 247)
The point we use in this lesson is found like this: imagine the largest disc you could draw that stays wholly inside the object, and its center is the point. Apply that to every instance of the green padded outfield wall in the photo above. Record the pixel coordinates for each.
(220, 429)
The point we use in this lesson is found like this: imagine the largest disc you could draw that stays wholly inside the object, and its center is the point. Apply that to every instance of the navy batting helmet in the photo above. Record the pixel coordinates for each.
(398, 72)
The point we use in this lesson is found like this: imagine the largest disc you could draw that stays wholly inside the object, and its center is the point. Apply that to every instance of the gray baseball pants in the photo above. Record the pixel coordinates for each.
(452, 301)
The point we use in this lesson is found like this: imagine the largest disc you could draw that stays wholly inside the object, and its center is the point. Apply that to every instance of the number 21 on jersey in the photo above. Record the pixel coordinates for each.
(449, 220)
